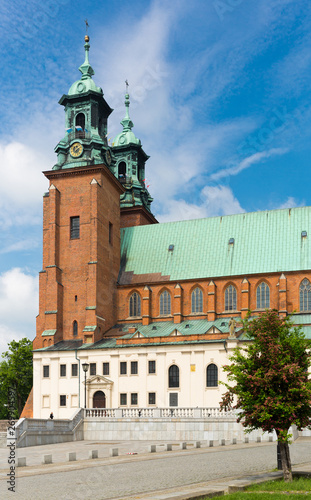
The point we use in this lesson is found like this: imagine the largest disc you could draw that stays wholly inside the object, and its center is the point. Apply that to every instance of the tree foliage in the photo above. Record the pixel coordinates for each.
(15, 376)
(271, 388)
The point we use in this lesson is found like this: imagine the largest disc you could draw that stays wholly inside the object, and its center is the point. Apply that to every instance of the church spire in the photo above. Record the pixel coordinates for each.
(127, 122)
(86, 115)
(85, 68)
(130, 165)
(127, 136)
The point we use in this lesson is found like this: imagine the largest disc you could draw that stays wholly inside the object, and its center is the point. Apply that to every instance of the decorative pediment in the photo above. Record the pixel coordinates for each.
(99, 380)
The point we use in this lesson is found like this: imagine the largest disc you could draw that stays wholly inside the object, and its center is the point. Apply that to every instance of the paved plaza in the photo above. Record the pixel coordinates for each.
(162, 475)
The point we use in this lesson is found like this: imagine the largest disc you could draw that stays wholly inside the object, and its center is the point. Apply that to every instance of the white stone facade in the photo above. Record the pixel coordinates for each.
(62, 393)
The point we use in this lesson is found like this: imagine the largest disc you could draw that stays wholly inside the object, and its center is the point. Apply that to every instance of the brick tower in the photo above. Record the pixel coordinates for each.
(81, 224)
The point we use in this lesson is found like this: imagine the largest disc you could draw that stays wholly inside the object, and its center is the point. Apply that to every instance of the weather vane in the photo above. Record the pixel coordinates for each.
(86, 25)
(127, 86)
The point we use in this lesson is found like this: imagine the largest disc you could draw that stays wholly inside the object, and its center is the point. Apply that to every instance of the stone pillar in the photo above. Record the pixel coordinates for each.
(211, 312)
(177, 304)
(146, 305)
(245, 298)
(282, 296)
(231, 344)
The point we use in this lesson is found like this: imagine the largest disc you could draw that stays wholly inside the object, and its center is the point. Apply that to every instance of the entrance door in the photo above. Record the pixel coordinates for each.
(99, 400)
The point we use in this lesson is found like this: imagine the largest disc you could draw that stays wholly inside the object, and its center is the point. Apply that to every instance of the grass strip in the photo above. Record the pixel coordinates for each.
(299, 484)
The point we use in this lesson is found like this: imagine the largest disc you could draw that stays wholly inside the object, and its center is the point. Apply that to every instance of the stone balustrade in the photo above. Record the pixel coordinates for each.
(158, 413)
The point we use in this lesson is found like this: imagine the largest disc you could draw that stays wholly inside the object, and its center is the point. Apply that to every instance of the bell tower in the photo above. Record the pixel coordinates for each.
(86, 115)
(81, 225)
(129, 168)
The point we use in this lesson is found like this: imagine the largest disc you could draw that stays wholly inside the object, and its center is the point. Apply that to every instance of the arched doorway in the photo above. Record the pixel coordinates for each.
(99, 400)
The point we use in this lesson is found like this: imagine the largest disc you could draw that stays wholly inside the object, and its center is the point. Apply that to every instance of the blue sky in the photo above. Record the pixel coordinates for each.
(219, 98)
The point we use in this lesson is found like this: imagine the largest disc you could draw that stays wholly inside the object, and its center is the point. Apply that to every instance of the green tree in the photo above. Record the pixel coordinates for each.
(15, 378)
(271, 388)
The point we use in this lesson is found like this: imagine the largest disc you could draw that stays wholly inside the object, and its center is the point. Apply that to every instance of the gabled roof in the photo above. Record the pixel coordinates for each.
(261, 242)
(191, 327)
(201, 330)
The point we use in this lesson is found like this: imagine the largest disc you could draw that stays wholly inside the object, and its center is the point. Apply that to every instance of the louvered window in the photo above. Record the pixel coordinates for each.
(74, 228)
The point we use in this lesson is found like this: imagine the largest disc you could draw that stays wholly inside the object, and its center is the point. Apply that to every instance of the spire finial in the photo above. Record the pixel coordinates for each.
(86, 38)
(127, 122)
(86, 69)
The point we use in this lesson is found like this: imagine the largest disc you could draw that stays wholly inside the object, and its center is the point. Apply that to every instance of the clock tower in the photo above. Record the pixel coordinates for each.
(85, 142)
(81, 225)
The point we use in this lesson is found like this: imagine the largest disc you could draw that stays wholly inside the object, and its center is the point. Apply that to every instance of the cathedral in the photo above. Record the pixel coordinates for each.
(138, 314)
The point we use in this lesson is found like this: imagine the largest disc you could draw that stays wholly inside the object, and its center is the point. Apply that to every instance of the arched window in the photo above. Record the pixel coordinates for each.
(230, 298)
(212, 376)
(75, 328)
(122, 170)
(197, 300)
(263, 296)
(135, 304)
(173, 376)
(80, 120)
(305, 295)
(165, 303)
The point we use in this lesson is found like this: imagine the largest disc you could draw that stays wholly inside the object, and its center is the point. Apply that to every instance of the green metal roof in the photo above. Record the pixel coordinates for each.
(48, 333)
(192, 327)
(166, 328)
(264, 242)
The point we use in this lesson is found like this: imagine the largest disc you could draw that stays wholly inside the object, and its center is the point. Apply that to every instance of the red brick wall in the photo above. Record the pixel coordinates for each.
(284, 296)
(136, 216)
(87, 267)
(28, 408)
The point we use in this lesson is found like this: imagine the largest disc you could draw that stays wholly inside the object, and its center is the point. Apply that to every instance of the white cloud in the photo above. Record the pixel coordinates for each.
(247, 162)
(215, 200)
(22, 184)
(18, 306)
(291, 202)
(21, 245)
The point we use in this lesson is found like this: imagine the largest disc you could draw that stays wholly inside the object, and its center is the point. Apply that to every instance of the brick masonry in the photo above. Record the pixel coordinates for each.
(79, 276)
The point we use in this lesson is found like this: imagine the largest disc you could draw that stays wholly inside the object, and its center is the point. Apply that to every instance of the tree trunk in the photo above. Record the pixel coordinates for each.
(286, 463)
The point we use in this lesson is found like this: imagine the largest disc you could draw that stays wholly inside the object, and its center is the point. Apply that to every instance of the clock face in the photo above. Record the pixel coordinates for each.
(76, 149)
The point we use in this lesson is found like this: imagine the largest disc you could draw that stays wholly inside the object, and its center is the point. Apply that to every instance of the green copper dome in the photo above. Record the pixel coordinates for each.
(81, 86)
(127, 136)
(85, 83)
